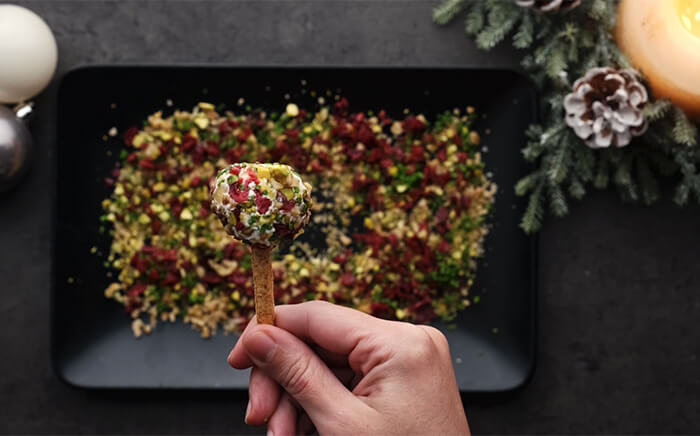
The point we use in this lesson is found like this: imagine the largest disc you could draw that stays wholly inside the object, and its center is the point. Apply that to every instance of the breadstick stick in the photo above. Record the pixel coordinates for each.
(263, 284)
(261, 205)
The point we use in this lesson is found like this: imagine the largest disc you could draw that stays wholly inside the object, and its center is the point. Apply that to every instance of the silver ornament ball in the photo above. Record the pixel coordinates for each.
(15, 146)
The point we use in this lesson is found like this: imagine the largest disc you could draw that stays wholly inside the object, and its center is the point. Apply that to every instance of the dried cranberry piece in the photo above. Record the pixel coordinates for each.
(137, 289)
(129, 135)
(253, 177)
(196, 181)
(263, 203)
(155, 226)
(237, 194)
(212, 149)
(413, 125)
(347, 279)
(170, 279)
(188, 143)
(340, 108)
(282, 230)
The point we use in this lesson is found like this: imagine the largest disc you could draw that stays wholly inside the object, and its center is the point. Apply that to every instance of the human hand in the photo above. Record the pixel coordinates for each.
(348, 373)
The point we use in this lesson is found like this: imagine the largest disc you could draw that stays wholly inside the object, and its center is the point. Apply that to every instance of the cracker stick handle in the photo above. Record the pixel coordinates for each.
(262, 282)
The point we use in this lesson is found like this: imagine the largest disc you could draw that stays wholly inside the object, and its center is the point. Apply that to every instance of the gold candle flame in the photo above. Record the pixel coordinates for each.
(688, 12)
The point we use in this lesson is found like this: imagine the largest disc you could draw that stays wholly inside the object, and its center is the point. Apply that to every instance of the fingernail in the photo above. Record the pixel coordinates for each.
(247, 412)
(269, 433)
(260, 346)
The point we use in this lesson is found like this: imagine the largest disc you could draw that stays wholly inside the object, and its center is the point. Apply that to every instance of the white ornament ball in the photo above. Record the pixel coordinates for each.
(28, 54)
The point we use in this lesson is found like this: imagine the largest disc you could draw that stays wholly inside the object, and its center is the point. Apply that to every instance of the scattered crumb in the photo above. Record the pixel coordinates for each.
(169, 102)
(292, 110)
(494, 330)
(321, 100)
(70, 280)
(113, 131)
(458, 360)
(113, 106)
(241, 101)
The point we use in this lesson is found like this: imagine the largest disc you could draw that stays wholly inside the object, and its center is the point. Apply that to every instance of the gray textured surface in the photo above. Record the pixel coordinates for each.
(619, 336)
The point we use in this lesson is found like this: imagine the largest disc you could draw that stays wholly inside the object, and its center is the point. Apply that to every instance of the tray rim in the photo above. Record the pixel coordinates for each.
(533, 240)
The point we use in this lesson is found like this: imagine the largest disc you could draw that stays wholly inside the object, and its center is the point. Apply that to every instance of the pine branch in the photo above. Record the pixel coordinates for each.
(647, 181)
(501, 19)
(555, 61)
(542, 141)
(623, 179)
(557, 200)
(527, 184)
(598, 9)
(444, 13)
(602, 177)
(563, 45)
(525, 35)
(576, 189)
(680, 197)
(686, 160)
(684, 131)
(584, 162)
(532, 219)
(475, 19)
(557, 168)
(657, 109)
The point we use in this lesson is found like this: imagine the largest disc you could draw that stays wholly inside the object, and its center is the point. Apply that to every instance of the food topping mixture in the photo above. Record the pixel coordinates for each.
(399, 213)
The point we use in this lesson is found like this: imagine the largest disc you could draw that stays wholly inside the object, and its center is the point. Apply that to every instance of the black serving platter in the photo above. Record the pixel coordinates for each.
(492, 342)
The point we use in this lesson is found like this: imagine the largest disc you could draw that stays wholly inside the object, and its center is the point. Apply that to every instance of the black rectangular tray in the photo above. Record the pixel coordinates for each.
(493, 343)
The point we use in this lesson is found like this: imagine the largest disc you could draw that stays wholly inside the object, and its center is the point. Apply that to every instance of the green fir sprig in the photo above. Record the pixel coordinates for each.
(559, 47)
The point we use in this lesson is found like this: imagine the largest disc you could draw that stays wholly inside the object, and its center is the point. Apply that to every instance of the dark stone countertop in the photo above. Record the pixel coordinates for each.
(619, 335)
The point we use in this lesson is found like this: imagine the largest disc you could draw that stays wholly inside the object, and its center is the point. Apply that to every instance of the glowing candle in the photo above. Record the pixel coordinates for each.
(689, 13)
(662, 39)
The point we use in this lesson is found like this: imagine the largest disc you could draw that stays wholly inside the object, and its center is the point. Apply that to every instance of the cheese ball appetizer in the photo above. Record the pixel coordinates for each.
(261, 204)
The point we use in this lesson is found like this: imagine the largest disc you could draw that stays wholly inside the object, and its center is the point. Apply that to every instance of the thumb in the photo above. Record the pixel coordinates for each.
(300, 372)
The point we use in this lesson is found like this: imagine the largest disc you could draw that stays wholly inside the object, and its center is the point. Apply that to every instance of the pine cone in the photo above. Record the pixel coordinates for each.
(605, 107)
(548, 5)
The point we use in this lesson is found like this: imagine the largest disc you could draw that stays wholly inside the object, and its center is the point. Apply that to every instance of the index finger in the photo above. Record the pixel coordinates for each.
(335, 328)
